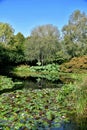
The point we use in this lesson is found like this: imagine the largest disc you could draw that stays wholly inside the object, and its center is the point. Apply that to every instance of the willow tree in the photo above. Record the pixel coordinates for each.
(43, 43)
(75, 34)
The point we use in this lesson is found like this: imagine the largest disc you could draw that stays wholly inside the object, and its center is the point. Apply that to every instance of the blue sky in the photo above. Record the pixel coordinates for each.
(24, 15)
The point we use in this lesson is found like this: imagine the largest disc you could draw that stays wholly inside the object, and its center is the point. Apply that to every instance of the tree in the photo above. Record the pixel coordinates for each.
(3, 54)
(75, 34)
(43, 43)
(6, 32)
(19, 38)
(16, 53)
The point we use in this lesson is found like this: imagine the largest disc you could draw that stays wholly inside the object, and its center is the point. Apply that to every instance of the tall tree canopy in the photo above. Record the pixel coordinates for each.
(11, 45)
(43, 43)
(75, 34)
(16, 53)
(6, 32)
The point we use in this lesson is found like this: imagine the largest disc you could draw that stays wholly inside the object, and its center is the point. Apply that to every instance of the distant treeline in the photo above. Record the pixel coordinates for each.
(46, 44)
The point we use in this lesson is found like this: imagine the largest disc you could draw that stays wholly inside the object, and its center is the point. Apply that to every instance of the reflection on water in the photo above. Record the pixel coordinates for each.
(40, 83)
(43, 83)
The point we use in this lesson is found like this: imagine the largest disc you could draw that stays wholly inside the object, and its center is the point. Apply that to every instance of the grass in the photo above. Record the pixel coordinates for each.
(81, 104)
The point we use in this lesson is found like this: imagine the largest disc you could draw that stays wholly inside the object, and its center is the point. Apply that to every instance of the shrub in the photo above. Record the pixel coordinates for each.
(76, 64)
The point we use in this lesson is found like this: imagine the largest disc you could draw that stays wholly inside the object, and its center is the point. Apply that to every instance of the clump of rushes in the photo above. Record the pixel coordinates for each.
(81, 103)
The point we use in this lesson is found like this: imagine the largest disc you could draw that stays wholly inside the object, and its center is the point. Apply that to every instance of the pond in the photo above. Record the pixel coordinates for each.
(41, 84)
(34, 104)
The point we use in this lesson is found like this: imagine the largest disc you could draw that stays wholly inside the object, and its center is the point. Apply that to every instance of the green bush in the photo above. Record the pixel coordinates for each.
(6, 83)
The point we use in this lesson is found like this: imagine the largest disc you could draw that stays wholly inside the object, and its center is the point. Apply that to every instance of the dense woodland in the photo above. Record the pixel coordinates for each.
(43, 77)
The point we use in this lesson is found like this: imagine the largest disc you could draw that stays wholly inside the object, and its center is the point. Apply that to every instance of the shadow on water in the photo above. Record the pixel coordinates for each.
(67, 126)
(64, 126)
(27, 83)
(31, 83)
(70, 126)
(16, 87)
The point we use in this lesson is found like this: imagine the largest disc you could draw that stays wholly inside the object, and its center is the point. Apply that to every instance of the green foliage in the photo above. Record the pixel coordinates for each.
(31, 109)
(61, 57)
(5, 83)
(43, 44)
(15, 48)
(3, 54)
(41, 108)
(6, 32)
(65, 94)
(81, 102)
(75, 34)
(13, 51)
(50, 71)
(16, 55)
(44, 108)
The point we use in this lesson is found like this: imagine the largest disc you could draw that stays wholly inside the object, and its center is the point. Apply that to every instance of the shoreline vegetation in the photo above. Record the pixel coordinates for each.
(45, 105)
(43, 77)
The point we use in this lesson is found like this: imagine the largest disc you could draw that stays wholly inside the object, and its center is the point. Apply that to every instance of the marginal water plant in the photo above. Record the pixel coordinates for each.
(81, 104)
(34, 108)
(41, 108)
(6, 83)
(49, 72)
